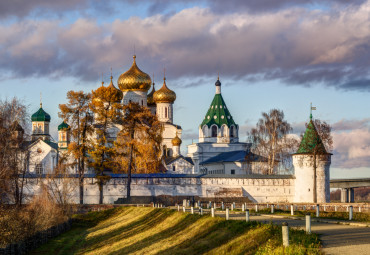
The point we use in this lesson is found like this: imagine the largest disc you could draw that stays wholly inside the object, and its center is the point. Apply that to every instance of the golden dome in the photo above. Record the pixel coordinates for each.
(164, 95)
(134, 79)
(149, 98)
(176, 141)
(116, 92)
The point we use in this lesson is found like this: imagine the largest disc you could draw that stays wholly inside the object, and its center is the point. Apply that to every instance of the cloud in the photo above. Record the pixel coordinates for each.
(348, 125)
(295, 45)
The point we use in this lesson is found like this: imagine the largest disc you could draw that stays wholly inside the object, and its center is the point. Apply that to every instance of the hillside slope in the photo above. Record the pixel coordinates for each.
(140, 230)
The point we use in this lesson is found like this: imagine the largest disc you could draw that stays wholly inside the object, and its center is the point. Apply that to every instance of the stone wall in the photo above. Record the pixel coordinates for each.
(255, 188)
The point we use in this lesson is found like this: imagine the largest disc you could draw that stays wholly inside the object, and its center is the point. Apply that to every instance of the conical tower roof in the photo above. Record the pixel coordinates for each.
(311, 141)
(218, 113)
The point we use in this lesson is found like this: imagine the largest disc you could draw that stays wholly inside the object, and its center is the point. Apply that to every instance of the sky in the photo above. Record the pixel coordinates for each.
(269, 54)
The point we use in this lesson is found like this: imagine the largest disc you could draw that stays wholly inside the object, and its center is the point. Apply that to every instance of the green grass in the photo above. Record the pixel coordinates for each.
(139, 230)
(357, 216)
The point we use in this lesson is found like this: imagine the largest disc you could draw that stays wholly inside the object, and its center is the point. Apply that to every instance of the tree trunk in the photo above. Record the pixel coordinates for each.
(81, 184)
(129, 174)
(101, 192)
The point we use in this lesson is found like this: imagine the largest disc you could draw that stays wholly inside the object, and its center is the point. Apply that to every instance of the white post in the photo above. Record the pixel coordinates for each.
(222, 206)
(183, 209)
(351, 212)
(213, 212)
(291, 210)
(335, 208)
(243, 208)
(256, 207)
(285, 231)
(215, 205)
(347, 208)
(192, 210)
(272, 209)
(232, 207)
(317, 211)
(178, 208)
(304, 208)
(308, 223)
(227, 213)
(247, 215)
(359, 209)
(324, 208)
(201, 211)
(153, 205)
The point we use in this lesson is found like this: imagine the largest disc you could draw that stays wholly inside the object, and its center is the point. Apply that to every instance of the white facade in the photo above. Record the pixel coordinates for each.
(165, 112)
(43, 158)
(134, 96)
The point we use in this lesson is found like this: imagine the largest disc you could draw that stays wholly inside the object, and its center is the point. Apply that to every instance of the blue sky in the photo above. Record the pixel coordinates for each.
(270, 54)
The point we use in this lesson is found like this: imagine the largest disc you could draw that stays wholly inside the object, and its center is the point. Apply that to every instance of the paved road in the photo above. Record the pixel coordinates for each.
(336, 238)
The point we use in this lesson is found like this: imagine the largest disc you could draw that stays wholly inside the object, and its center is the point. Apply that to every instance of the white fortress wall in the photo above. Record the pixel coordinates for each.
(257, 189)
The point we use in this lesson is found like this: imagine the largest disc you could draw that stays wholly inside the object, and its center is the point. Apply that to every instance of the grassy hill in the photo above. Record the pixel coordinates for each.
(140, 230)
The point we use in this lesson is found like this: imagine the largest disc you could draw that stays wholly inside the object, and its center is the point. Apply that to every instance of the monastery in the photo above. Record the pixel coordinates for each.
(217, 165)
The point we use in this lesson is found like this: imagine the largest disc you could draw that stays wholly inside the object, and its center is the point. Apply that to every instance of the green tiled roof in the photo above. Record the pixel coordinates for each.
(63, 126)
(218, 113)
(40, 115)
(311, 141)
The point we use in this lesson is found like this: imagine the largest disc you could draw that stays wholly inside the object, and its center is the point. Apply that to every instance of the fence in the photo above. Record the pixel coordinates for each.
(23, 247)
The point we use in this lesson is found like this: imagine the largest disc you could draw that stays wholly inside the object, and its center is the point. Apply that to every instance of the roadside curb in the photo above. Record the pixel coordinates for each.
(358, 224)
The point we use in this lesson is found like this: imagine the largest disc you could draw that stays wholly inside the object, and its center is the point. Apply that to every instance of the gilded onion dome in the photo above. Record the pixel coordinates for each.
(116, 92)
(176, 141)
(134, 79)
(149, 98)
(164, 94)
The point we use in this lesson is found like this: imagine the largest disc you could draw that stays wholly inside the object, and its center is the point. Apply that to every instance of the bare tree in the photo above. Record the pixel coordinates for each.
(270, 139)
(14, 152)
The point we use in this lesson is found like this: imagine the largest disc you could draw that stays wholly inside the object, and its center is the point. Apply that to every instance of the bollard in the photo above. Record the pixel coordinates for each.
(192, 210)
(227, 213)
(291, 210)
(324, 208)
(272, 209)
(213, 212)
(215, 205)
(317, 211)
(183, 209)
(178, 208)
(222, 206)
(351, 212)
(335, 208)
(285, 230)
(256, 207)
(232, 207)
(243, 208)
(201, 211)
(359, 209)
(247, 215)
(184, 202)
(308, 223)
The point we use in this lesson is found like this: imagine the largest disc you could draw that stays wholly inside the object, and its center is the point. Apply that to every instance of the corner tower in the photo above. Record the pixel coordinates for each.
(218, 125)
(312, 168)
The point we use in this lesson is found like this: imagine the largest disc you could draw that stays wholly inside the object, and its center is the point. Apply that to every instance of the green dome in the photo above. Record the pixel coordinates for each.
(63, 126)
(40, 115)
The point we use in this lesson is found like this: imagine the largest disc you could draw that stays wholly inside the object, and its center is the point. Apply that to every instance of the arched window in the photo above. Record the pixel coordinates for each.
(166, 112)
(214, 131)
(142, 103)
(232, 131)
(39, 169)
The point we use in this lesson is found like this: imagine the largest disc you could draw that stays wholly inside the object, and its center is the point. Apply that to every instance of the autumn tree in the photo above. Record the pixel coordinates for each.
(107, 108)
(78, 115)
(14, 152)
(270, 138)
(317, 141)
(139, 142)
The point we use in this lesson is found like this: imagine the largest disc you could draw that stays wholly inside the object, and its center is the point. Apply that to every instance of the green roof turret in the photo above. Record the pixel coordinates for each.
(40, 115)
(63, 126)
(218, 113)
